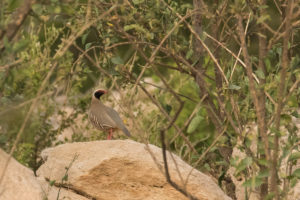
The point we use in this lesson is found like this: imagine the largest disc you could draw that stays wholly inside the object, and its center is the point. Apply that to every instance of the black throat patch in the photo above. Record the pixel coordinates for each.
(99, 93)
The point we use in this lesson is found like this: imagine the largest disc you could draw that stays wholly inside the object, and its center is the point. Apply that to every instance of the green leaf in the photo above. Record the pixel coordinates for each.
(65, 178)
(189, 54)
(19, 46)
(260, 74)
(296, 173)
(268, 64)
(263, 18)
(52, 182)
(221, 163)
(294, 181)
(194, 123)
(293, 101)
(295, 114)
(253, 182)
(270, 196)
(274, 130)
(168, 108)
(263, 162)
(13, 4)
(243, 164)
(294, 156)
(117, 60)
(136, 2)
(279, 50)
(84, 37)
(137, 27)
(37, 8)
(203, 35)
(57, 9)
(88, 45)
(233, 87)
(206, 61)
(286, 119)
(263, 174)
(207, 167)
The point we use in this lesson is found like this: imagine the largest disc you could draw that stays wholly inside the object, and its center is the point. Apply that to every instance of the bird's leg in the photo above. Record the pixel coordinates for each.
(110, 134)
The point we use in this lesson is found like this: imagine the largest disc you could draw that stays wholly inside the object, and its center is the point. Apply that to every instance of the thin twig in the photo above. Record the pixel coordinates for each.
(161, 88)
(252, 87)
(153, 55)
(167, 174)
(11, 64)
(187, 122)
(240, 51)
(23, 103)
(169, 118)
(204, 154)
(200, 40)
(291, 90)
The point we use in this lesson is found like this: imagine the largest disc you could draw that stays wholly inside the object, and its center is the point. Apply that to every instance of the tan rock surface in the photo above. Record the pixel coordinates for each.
(52, 192)
(19, 182)
(122, 170)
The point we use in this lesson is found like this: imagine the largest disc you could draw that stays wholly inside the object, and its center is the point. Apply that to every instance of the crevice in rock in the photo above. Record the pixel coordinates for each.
(157, 186)
(72, 188)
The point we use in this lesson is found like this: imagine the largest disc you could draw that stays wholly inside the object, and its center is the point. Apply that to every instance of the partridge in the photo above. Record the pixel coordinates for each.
(105, 118)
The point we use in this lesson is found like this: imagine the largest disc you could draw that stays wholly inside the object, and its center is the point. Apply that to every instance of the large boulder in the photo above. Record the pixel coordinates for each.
(122, 170)
(18, 182)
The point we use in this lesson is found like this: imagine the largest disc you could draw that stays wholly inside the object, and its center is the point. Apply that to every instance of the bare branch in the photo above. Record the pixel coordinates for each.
(11, 64)
(18, 18)
(167, 174)
(252, 86)
(200, 40)
(152, 57)
(280, 96)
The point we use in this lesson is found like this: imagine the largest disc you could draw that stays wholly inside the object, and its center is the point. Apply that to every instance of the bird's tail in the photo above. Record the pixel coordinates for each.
(125, 130)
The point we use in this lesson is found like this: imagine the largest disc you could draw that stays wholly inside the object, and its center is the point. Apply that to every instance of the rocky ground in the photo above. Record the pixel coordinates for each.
(116, 169)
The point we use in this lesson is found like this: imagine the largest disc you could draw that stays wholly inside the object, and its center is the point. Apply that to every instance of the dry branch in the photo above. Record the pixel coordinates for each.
(252, 87)
(280, 96)
(167, 174)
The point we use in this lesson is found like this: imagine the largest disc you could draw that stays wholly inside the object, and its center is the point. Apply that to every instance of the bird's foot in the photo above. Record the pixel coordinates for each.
(110, 135)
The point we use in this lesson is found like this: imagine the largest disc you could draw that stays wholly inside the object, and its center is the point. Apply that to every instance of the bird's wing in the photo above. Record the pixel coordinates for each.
(114, 116)
(119, 123)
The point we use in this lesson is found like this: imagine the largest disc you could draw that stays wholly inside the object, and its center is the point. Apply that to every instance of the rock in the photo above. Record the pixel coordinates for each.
(122, 170)
(19, 182)
(52, 192)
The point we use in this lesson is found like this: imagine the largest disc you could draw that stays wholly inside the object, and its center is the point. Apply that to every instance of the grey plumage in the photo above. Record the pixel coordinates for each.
(103, 117)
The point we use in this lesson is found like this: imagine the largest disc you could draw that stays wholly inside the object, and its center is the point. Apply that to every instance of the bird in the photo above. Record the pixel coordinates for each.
(105, 118)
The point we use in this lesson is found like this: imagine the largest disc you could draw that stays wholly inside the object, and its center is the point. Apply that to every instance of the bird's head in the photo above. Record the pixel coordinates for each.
(98, 93)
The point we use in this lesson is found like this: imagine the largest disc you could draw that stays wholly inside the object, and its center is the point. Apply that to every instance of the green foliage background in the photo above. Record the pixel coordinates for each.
(115, 50)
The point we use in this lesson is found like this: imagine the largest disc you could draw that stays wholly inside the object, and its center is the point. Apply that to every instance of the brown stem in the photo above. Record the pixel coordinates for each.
(262, 40)
(17, 20)
(280, 95)
(252, 87)
(218, 76)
